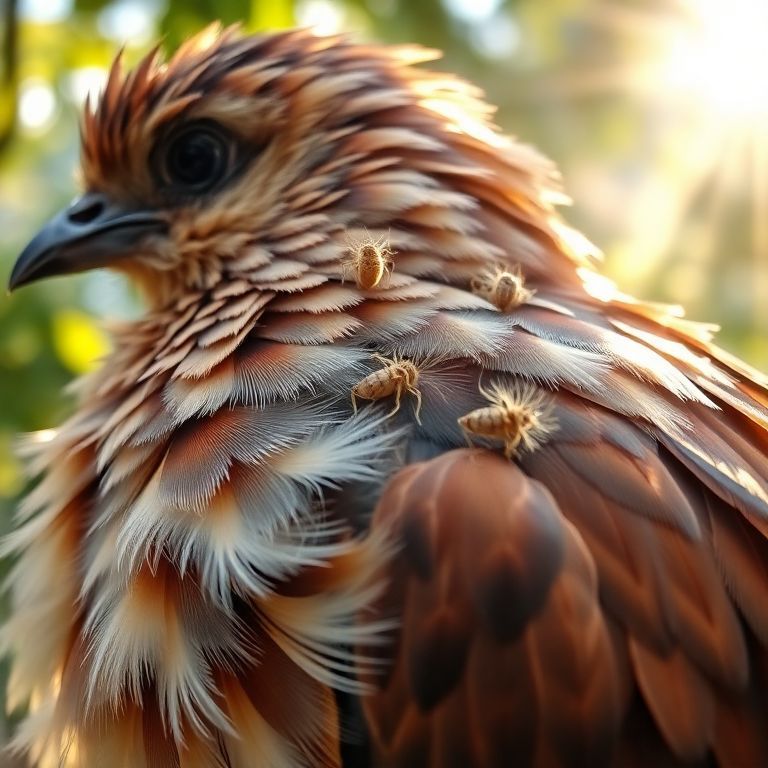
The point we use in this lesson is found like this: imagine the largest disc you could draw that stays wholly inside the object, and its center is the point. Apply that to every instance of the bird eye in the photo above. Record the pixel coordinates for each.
(196, 158)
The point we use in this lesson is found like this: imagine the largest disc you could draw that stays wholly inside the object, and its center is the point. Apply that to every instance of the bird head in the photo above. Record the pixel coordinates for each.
(241, 149)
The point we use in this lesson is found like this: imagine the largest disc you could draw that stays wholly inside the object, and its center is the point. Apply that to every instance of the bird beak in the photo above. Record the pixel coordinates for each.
(92, 232)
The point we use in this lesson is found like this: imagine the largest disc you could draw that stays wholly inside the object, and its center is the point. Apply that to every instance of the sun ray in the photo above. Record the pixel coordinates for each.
(689, 74)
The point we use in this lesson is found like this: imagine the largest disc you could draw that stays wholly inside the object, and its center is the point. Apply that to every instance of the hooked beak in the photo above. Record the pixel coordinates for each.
(92, 232)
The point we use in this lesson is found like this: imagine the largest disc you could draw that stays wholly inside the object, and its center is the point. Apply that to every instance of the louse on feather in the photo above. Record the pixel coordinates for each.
(395, 377)
(520, 415)
(503, 288)
(369, 260)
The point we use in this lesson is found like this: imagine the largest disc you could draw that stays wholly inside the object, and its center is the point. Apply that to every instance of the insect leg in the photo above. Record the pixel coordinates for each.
(398, 394)
(417, 394)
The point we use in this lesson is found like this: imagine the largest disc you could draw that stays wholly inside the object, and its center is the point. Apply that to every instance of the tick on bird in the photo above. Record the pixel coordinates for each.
(503, 288)
(397, 376)
(369, 260)
(520, 415)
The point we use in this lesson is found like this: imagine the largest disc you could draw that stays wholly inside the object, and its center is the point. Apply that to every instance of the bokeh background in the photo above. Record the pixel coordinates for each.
(655, 110)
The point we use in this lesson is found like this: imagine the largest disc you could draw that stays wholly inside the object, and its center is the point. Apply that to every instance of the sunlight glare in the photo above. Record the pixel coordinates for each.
(41, 436)
(84, 82)
(46, 11)
(130, 22)
(323, 17)
(598, 286)
(723, 57)
(472, 11)
(37, 106)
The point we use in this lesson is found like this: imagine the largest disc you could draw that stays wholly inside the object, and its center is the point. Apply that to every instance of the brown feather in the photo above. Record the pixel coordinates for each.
(494, 576)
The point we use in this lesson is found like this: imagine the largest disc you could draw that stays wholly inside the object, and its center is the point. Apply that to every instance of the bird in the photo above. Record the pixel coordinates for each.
(537, 537)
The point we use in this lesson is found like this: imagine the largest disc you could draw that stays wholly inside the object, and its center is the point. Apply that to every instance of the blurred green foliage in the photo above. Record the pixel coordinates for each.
(568, 76)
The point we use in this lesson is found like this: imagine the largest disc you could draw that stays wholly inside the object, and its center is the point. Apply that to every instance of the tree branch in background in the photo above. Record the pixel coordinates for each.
(9, 83)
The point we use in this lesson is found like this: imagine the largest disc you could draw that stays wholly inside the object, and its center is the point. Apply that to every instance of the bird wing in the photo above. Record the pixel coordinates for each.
(504, 648)
(604, 592)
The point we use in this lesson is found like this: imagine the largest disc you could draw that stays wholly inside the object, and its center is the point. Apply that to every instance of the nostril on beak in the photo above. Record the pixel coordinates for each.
(87, 209)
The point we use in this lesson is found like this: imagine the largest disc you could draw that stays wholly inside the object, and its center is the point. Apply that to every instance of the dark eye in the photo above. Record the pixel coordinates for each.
(197, 157)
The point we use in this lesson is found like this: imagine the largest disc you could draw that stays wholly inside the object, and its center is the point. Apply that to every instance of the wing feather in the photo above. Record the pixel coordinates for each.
(501, 624)
(679, 698)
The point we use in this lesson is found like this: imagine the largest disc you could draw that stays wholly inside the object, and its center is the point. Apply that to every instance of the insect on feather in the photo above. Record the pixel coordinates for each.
(396, 376)
(369, 260)
(521, 416)
(503, 288)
